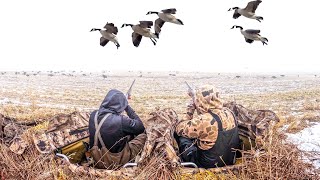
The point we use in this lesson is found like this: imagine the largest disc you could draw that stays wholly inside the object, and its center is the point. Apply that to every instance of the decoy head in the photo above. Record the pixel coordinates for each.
(234, 8)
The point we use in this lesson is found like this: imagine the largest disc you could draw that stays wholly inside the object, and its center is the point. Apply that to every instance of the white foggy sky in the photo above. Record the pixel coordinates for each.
(54, 35)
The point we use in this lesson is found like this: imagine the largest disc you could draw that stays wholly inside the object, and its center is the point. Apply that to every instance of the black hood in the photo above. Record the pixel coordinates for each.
(115, 102)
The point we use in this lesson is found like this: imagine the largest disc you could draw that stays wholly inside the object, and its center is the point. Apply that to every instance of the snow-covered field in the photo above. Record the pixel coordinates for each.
(308, 140)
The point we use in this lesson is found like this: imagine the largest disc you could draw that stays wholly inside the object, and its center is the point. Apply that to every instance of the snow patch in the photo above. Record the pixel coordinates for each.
(308, 140)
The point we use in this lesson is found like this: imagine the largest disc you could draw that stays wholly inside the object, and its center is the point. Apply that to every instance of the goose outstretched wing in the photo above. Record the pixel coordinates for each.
(103, 41)
(146, 24)
(252, 31)
(158, 25)
(136, 39)
(111, 28)
(170, 11)
(252, 6)
(248, 40)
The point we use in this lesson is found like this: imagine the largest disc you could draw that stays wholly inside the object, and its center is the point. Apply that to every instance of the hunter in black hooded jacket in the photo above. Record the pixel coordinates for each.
(116, 126)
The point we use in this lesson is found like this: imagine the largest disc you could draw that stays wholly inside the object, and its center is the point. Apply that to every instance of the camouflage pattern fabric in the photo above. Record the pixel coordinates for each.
(9, 129)
(160, 129)
(11, 134)
(75, 119)
(253, 124)
(18, 145)
(202, 127)
(63, 129)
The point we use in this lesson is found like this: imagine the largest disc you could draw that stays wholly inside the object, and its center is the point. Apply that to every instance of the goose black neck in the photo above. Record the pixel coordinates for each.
(153, 12)
(95, 29)
(239, 27)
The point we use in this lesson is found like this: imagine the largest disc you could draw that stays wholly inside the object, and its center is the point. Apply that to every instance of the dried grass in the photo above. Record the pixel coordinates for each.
(312, 105)
(157, 168)
(277, 159)
(31, 113)
(30, 165)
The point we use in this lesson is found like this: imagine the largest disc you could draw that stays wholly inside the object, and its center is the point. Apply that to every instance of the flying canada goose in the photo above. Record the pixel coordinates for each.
(251, 35)
(109, 34)
(165, 16)
(248, 11)
(142, 29)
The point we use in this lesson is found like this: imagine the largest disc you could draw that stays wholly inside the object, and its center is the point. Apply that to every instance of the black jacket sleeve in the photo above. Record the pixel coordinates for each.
(131, 113)
(132, 124)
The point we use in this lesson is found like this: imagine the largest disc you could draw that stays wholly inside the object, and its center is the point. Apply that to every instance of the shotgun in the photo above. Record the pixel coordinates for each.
(128, 95)
(192, 93)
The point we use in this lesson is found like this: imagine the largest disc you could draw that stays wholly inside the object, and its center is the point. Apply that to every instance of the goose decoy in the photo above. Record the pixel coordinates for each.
(251, 35)
(165, 16)
(248, 11)
(142, 29)
(108, 34)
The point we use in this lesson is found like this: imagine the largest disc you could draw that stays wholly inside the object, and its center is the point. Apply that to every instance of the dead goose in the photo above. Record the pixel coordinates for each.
(251, 35)
(142, 29)
(109, 34)
(165, 16)
(248, 11)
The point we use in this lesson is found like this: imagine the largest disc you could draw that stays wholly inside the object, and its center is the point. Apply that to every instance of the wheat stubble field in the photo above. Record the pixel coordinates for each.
(28, 96)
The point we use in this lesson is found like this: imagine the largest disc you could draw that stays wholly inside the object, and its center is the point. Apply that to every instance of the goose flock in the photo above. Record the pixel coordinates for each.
(143, 28)
(249, 11)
